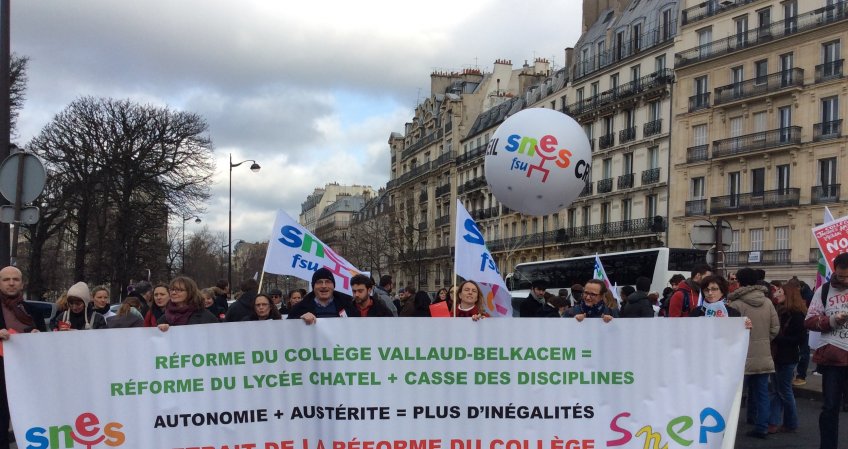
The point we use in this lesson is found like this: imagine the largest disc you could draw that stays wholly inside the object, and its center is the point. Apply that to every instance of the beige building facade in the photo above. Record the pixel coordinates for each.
(759, 140)
(320, 198)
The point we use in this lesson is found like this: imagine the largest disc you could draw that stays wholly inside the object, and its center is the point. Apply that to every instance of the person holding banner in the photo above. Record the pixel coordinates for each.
(16, 316)
(161, 297)
(593, 305)
(77, 317)
(186, 306)
(470, 301)
(828, 314)
(324, 301)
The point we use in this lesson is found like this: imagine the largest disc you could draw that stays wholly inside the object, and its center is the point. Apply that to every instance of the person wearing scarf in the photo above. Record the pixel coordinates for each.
(593, 305)
(161, 297)
(100, 301)
(186, 306)
(16, 316)
(78, 316)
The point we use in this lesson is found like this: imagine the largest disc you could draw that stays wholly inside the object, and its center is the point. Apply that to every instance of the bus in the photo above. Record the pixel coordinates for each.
(622, 268)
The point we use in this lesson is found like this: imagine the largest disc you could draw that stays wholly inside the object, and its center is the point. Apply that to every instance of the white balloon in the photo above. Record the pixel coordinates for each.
(538, 161)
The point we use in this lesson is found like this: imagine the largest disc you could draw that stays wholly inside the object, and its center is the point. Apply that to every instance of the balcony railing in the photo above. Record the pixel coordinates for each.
(443, 190)
(767, 199)
(748, 143)
(827, 130)
(829, 70)
(808, 21)
(605, 185)
(699, 101)
(618, 229)
(709, 8)
(759, 86)
(651, 128)
(652, 38)
(627, 134)
(766, 257)
(696, 208)
(443, 220)
(646, 83)
(625, 181)
(421, 143)
(699, 153)
(587, 189)
(445, 158)
(651, 176)
(478, 151)
(825, 194)
(606, 141)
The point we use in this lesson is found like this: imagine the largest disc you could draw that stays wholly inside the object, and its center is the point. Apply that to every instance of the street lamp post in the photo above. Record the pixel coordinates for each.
(185, 219)
(254, 167)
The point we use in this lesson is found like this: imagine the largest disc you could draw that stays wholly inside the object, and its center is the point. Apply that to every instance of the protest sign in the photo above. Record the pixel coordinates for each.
(832, 238)
(342, 384)
(294, 251)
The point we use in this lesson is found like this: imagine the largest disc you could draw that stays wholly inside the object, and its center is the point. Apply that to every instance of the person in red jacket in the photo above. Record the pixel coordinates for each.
(689, 288)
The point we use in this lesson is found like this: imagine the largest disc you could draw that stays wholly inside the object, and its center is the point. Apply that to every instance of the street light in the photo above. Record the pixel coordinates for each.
(185, 219)
(254, 168)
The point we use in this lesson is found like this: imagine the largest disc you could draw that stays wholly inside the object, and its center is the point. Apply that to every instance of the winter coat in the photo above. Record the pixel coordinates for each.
(241, 308)
(378, 309)
(342, 301)
(578, 309)
(821, 317)
(751, 302)
(530, 307)
(675, 303)
(34, 313)
(123, 321)
(201, 316)
(784, 347)
(78, 321)
(386, 299)
(638, 306)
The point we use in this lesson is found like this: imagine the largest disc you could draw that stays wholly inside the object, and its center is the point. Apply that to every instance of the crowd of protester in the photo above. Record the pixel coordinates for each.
(778, 315)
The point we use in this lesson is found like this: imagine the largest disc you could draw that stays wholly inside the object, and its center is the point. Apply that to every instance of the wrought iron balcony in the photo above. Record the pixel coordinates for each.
(445, 158)
(640, 227)
(827, 130)
(709, 8)
(699, 101)
(695, 208)
(825, 194)
(443, 220)
(606, 141)
(625, 181)
(646, 83)
(651, 128)
(775, 82)
(494, 211)
(765, 257)
(478, 151)
(474, 184)
(651, 176)
(699, 153)
(605, 185)
(804, 22)
(829, 70)
(421, 143)
(748, 143)
(627, 134)
(755, 201)
(587, 189)
(443, 190)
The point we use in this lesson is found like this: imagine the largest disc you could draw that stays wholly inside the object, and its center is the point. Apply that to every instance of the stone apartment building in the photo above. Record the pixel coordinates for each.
(760, 144)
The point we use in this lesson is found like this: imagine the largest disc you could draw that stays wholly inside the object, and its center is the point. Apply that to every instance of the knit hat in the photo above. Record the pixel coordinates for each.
(323, 273)
(80, 290)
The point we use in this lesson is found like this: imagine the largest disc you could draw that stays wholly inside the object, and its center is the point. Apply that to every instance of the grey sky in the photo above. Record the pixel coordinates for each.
(311, 90)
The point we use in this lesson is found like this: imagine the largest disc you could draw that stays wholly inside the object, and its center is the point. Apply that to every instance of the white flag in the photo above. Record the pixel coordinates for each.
(294, 251)
(473, 261)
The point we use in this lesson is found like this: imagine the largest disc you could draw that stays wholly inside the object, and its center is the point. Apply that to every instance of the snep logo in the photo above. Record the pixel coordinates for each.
(87, 432)
(546, 150)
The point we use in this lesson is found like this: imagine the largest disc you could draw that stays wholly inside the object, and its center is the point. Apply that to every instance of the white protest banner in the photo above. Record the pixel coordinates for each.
(473, 261)
(294, 251)
(342, 384)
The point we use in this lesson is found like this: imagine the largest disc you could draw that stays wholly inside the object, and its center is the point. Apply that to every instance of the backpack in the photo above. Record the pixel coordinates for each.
(666, 302)
(825, 289)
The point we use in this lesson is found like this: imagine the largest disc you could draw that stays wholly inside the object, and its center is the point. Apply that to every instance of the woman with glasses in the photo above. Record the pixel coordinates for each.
(186, 306)
(593, 305)
(263, 309)
(714, 289)
(76, 317)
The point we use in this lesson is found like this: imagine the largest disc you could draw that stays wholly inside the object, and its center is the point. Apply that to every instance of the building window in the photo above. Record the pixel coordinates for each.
(827, 171)
(741, 25)
(572, 218)
(651, 206)
(699, 135)
(758, 181)
(626, 205)
(761, 71)
(697, 191)
(734, 245)
(586, 216)
(782, 179)
(756, 239)
(781, 237)
(653, 157)
(659, 63)
(627, 164)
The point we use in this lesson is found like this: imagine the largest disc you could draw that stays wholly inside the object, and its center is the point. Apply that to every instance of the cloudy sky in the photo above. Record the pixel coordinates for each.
(310, 89)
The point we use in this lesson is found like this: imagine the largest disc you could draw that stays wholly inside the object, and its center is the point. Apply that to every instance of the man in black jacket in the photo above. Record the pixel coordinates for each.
(638, 305)
(323, 301)
(16, 316)
(535, 300)
(244, 305)
(361, 286)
